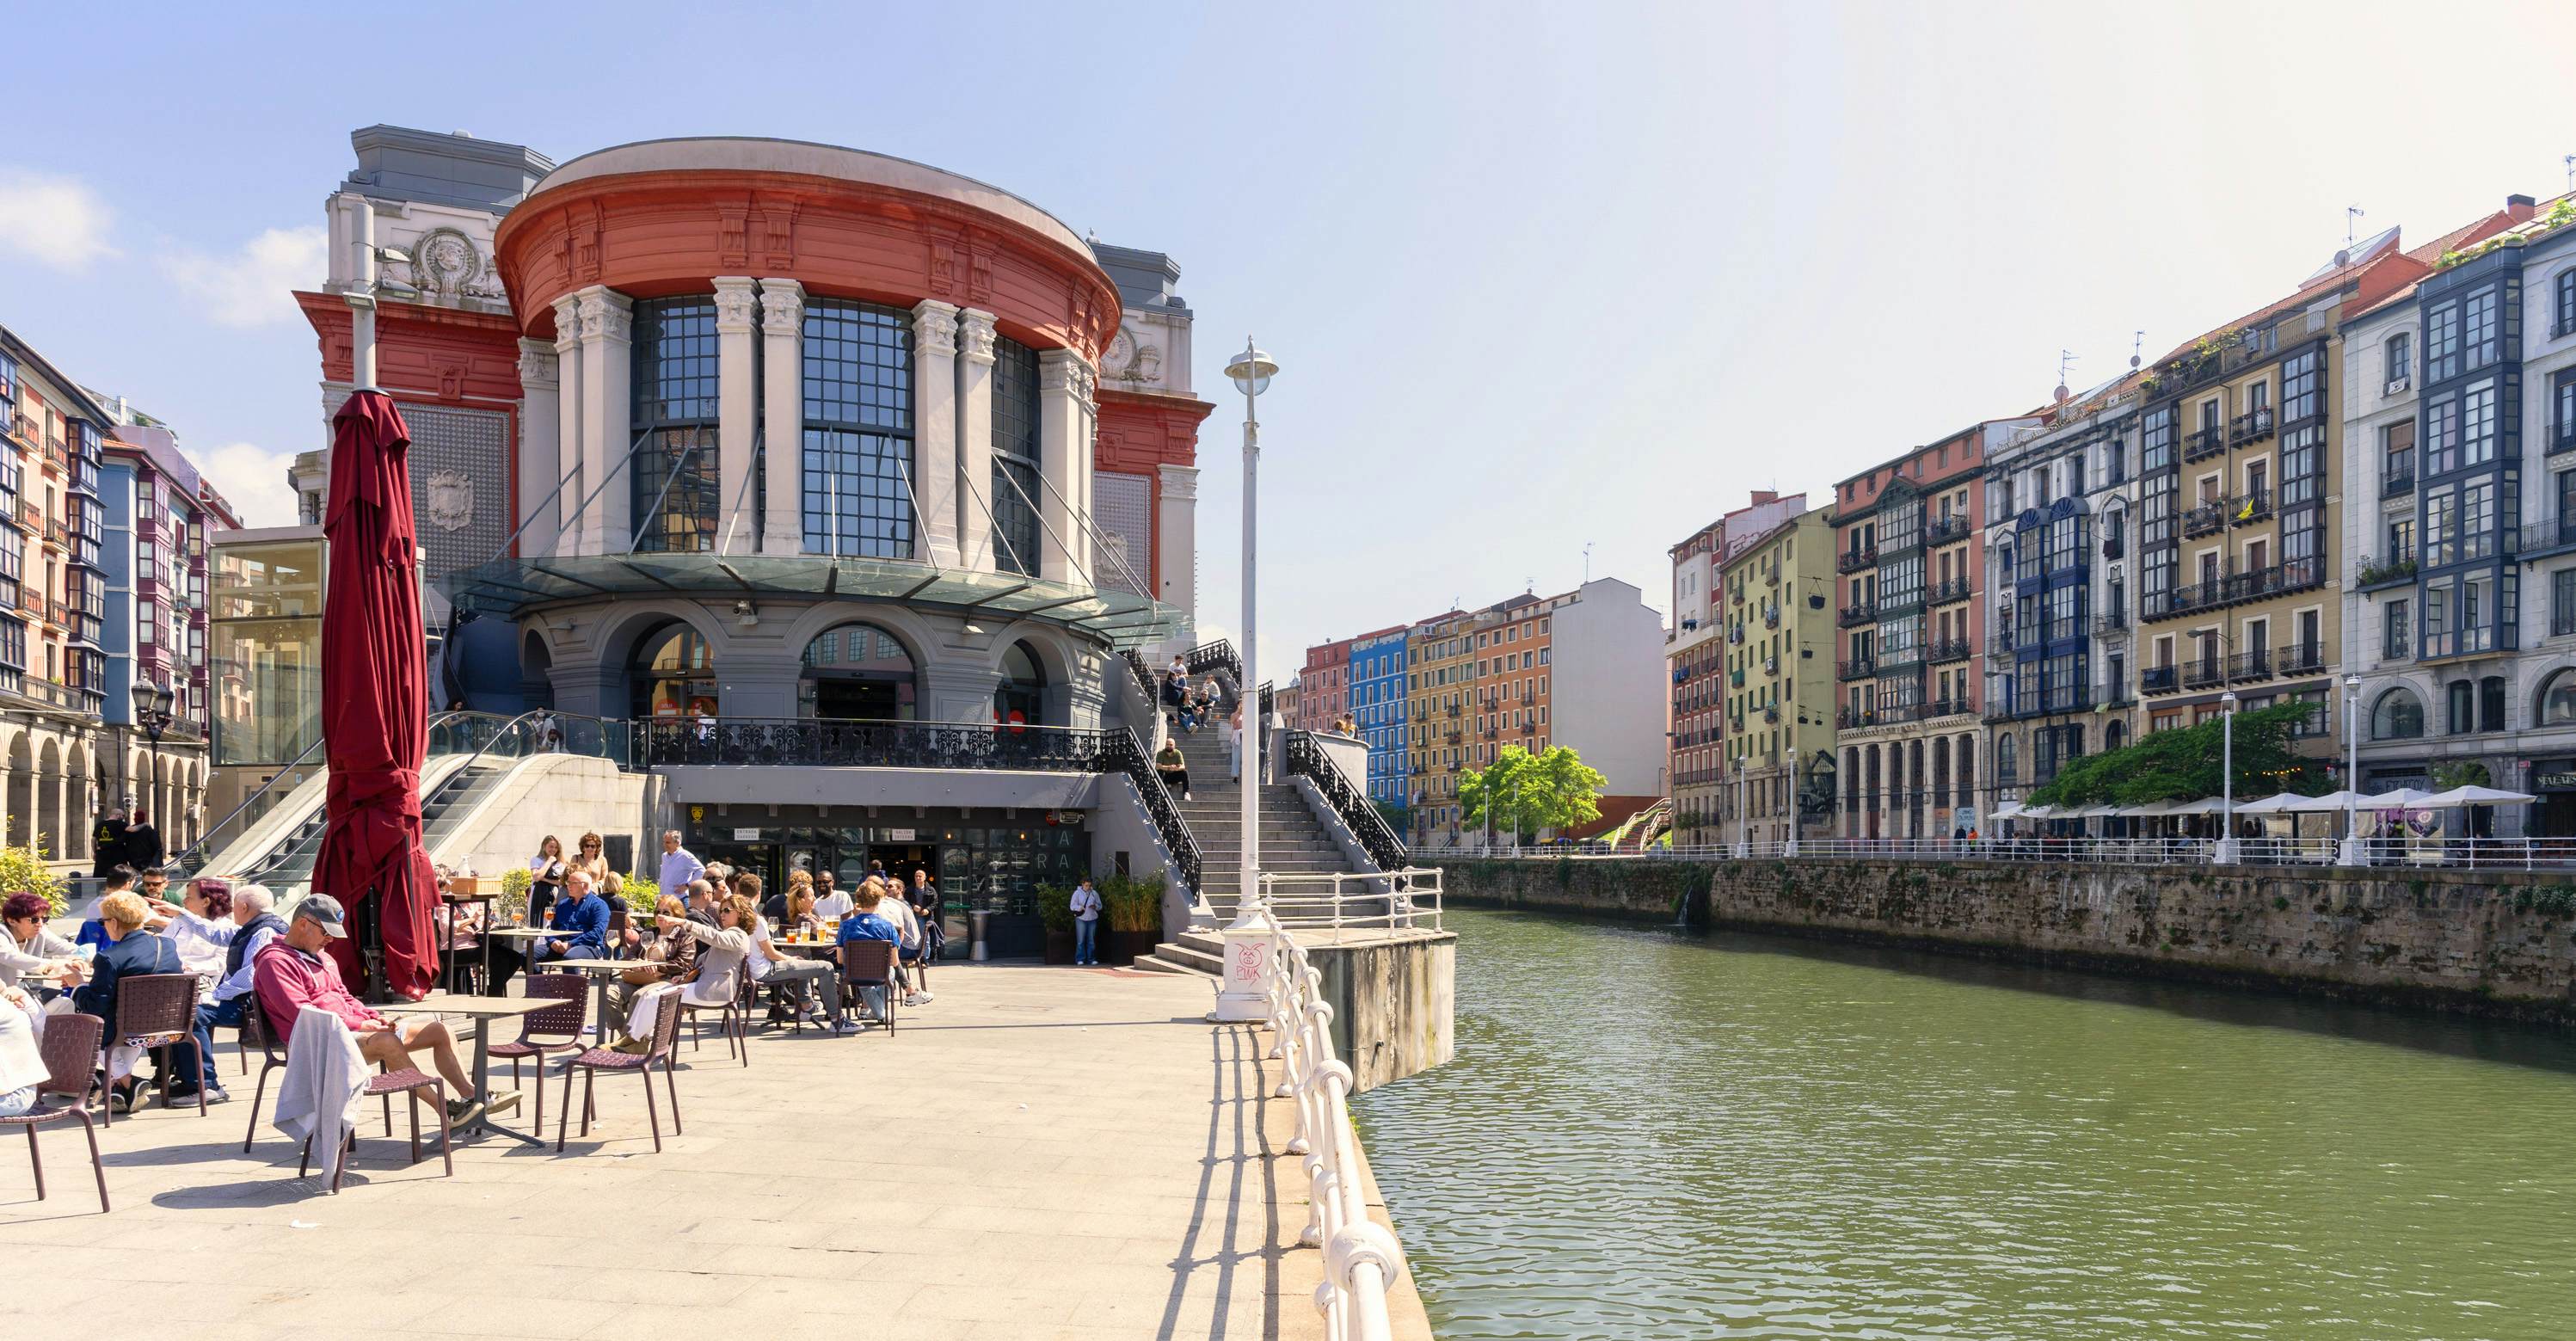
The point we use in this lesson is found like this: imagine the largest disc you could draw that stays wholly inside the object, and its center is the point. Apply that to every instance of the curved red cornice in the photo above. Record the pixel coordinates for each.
(660, 232)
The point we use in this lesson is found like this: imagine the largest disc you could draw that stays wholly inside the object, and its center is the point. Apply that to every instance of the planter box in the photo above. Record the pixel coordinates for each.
(1126, 947)
(1059, 946)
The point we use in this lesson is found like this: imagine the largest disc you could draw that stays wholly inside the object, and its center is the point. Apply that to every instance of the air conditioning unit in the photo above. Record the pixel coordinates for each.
(2397, 384)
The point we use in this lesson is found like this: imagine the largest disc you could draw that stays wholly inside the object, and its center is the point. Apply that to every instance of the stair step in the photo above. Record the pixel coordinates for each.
(1157, 964)
(1210, 960)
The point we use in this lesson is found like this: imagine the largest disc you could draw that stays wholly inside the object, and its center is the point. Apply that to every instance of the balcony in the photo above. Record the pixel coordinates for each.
(1735, 679)
(2203, 443)
(2251, 426)
(2206, 673)
(31, 518)
(2254, 665)
(1770, 665)
(1945, 651)
(1858, 668)
(1948, 707)
(2207, 519)
(2160, 679)
(1855, 559)
(2276, 580)
(2397, 481)
(1953, 590)
(2399, 568)
(1457, 737)
(2476, 642)
(31, 600)
(1852, 616)
(2301, 658)
(2114, 547)
(2562, 438)
(1943, 530)
(58, 535)
(2111, 621)
(2247, 509)
(59, 612)
(1854, 719)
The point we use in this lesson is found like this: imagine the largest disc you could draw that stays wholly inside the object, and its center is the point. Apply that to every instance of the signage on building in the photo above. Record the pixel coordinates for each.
(899, 835)
(746, 835)
(2555, 782)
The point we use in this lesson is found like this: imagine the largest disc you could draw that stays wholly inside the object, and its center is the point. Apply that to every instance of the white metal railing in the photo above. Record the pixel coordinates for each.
(1361, 1257)
(1403, 899)
(2411, 850)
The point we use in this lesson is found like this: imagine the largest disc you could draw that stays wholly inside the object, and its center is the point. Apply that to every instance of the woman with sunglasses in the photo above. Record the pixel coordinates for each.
(546, 872)
(592, 861)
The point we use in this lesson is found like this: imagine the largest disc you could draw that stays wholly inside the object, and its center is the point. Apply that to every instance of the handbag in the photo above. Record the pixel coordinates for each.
(640, 975)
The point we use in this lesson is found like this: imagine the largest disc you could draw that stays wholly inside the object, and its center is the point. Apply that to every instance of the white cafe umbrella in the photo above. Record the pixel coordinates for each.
(2008, 810)
(2207, 805)
(2476, 796)
(2038, 813)
(2331, 802)
(2272, 805)
(2402, 798)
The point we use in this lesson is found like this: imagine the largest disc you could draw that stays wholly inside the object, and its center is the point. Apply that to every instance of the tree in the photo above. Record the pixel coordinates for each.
(2182, 764)
(1530, 792)
(1398, 815)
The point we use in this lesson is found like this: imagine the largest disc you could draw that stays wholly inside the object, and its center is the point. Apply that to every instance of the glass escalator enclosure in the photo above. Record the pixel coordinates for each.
(672, 674)
(857, 671)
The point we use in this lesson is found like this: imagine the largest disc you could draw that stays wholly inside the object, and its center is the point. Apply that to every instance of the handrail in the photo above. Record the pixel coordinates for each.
(1407, 899)
(1362, 1258)
(1216, 655)
(2433, 851)
(178, 860)
(1305, 757)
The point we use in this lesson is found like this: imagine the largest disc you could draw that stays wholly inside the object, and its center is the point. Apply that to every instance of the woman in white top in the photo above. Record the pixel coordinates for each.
(22, 1062)
(203, 928)
(29, 951)
(721, 953)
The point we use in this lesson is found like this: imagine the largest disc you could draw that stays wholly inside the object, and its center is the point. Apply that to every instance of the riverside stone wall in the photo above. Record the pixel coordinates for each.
(2490, 943)
(1394, 1002)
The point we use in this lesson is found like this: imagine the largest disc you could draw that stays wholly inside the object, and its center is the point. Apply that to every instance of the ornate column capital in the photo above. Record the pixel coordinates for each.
(782, 306)
(976, 326)
(538, 367)
(737, 302)
(934, 327)
(606, 314)
(1066, 371)
(567, 323)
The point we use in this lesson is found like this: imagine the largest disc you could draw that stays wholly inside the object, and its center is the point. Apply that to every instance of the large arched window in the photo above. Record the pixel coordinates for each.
(858, 430)
(2558, 696)
(671, 674)
(2007, 762)
(1016, 482)
(673, 482)
(1021, 697)
(2398, 715)
(857, 671)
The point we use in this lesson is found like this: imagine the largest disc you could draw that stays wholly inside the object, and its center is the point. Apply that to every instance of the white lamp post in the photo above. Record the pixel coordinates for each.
(1244, 994)
(2351, 854)
(2225, 855)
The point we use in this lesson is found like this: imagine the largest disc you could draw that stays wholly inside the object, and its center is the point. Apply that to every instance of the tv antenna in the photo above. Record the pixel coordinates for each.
(2065, 360)
(2351, 213)
(1587, 563)
(2571, 172)
(2137, 350)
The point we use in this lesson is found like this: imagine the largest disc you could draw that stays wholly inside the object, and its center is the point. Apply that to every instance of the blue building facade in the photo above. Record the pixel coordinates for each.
(1377, 702)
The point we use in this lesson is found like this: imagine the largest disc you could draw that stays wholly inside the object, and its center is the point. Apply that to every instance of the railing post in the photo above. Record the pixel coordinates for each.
(1251, 939)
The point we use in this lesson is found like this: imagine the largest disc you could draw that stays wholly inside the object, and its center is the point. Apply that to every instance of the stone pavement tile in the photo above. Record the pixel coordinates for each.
(769, 1313)
(987, 1303)
(1076, 1223)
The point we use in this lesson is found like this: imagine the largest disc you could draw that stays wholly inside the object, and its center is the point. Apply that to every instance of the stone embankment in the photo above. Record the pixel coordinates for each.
(2490, 943)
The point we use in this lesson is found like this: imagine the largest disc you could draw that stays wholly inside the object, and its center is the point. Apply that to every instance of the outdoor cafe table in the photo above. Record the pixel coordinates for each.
(600, 971)
(482, 1010)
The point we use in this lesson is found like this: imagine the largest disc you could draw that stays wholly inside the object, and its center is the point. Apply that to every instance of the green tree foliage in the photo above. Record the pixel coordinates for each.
(1398, 815)
(1554, 789)
(2183, 764)
(25, 869)
(2461, 773)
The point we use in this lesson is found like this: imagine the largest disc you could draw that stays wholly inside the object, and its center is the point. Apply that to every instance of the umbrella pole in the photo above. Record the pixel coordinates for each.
(371, 943)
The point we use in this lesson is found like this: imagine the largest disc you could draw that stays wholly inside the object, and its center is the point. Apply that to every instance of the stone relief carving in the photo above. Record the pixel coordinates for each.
(1131, 361)
(451, 500)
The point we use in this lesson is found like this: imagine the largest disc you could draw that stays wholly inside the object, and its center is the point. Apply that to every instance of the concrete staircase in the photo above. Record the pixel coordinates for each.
(1291, 840)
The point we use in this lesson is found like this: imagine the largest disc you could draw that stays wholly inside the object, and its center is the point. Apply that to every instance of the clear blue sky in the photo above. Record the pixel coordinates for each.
(1537, 275)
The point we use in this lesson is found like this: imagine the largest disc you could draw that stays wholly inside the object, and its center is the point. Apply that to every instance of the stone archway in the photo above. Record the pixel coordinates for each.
(49, 800)
(22, 791)
(78, 807)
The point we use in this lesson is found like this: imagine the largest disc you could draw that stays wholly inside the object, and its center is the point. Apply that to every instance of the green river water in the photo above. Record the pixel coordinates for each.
(1649, 1134)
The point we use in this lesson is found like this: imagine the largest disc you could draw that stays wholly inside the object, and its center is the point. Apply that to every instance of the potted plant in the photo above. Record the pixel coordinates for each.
(1055, 908)
(1131, 917)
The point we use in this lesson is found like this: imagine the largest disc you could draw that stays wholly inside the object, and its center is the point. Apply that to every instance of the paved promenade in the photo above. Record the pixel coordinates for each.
(1041, 1152)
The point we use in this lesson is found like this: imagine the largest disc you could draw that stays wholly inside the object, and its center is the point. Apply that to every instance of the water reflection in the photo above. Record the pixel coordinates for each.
(1650, 1135)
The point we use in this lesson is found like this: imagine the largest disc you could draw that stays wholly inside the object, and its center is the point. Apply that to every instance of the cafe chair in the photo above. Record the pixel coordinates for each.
(159, 1010)
(666, 1029)
(387, 1084)
(557, 1028)
(71, 1044)
(866, 964)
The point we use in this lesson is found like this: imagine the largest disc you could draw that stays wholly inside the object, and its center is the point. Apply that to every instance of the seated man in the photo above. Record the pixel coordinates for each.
(292, 972)
(870, 926)
(829, 903)
(672, 957)
(794, 981)
(581, 924)
(254, 926)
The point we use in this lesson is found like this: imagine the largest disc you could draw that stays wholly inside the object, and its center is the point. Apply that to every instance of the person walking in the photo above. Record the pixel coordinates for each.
(680, 866)
(107, 845)
(143, 849)
(1086, 923)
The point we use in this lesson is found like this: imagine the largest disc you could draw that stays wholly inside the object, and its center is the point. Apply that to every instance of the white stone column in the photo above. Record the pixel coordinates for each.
(738, 413)
(607, 412)
(540, 455)
(975, 440)
(1176, 546)
(572, 455)
(1063, 459)
(934, 430)
(782, 331)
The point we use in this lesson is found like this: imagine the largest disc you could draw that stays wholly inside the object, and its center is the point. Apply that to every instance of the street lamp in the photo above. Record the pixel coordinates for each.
(2351, 854)
(2226, 853)
(155, 717)
(1251, 371)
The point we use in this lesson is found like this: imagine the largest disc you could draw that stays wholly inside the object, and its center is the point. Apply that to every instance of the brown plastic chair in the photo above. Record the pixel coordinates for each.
(870, 964)
(70, 1046)
(666, 1030)
(557, 1028)
(733, 1017)
(387, 1084)
(255, 1031)
(159, 1010)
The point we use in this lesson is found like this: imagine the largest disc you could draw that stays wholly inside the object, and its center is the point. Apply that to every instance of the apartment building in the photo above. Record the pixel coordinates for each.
(1695, 658)
(1779, 708)
(1440, 687)
(2058, 655)
(1379, 666)
(1323, 686)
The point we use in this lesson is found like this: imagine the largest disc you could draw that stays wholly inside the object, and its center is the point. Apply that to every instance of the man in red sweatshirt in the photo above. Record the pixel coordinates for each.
(292, 972)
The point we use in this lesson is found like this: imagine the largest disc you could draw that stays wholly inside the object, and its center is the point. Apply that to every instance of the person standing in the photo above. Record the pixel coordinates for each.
(546, 872)
(679, 865)
(1234, 744)
(1086, 923)
(107, 845)
(143, 850)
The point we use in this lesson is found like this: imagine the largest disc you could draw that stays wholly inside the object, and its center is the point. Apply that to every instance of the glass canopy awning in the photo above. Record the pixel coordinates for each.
(506, 587)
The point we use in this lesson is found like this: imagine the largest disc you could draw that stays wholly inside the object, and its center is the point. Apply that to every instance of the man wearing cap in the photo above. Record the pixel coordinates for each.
(293, 972)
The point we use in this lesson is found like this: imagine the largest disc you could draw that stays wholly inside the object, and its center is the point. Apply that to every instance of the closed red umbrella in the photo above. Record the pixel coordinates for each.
(375, 712)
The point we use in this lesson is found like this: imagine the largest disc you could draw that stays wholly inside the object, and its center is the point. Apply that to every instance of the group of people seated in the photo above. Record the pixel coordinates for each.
(1191, 705)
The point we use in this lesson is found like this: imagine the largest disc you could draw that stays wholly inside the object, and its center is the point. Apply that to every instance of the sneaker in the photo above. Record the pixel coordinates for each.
(122, 1099)
(911, 999)
(633, 1047)
(847, 1027)
(462, 1111)
(925, 994)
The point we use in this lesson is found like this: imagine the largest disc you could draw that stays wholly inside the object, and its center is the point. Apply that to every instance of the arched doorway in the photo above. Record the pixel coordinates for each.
(1021, 696)
(671, 674)
(858, 671)
(536, 671)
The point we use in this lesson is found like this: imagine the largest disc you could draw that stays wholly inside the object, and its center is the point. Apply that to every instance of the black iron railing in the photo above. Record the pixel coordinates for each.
(1306, 758)
(1214, 656)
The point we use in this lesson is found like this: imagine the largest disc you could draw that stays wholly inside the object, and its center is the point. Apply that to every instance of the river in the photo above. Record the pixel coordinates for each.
(1648, 1134)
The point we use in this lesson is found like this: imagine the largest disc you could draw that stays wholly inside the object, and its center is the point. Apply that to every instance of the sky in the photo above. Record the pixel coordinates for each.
(1541, 279)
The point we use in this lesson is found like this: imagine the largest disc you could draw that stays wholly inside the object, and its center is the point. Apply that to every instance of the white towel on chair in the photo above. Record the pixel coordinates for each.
(648, 1002)
(325, 1075)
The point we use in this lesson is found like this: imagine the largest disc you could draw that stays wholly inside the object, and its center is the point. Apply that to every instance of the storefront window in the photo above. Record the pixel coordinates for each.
(857, 671)
(672, 674)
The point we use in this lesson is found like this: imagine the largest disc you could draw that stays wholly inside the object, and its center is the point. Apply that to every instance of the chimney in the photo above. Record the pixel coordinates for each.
(2519, 208)
(1762, 496)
